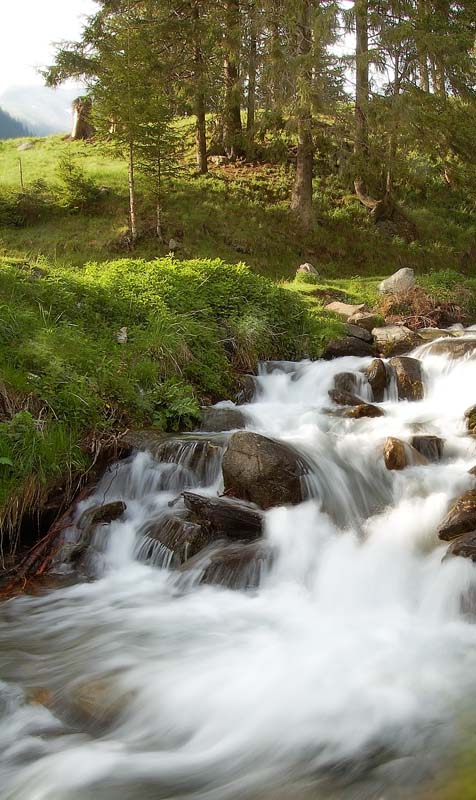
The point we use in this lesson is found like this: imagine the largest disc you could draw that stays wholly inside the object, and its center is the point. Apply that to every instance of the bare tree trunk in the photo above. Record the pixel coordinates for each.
(158, 207)
(361, 148)
(232, 129)
(82, 128)
(301, 200)
(200, 117)
(132, 195)
(252, 67)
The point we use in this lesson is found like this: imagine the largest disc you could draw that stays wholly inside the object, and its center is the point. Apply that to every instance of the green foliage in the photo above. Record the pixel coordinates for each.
(77, 191)
(26, 207)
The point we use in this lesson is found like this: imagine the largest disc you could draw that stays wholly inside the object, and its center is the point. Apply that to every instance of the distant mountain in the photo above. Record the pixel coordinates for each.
(42, 110)
(11, 128)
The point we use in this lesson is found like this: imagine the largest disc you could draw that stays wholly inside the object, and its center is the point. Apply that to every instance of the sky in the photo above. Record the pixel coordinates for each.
(28, 31)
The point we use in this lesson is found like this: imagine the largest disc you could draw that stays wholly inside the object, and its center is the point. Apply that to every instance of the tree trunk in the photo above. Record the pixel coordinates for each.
(301, 200)
(252, 67)
(158, 206)
(82, 128)
(200, 120)
(361, 148)
(232, 112)
(132, 195)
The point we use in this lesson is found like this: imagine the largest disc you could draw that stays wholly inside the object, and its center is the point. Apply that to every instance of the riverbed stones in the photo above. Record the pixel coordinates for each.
(260, 470)
(454, 348)
(345, 310)
(470, 416)
(401, 281)
(431, 447)
(409, 378)
(393, 340)
(181, 539)
(215, 419)
(464, 546)
(345, 386)
(363, 410)
(347, 346)
(377, 377)
(461, 517)
(398, 455)
(236, 566)
(223, 517)
(359, 333)
(246, 386)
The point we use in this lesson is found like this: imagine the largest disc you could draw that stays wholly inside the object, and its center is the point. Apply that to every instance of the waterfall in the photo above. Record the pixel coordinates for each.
(345, 660)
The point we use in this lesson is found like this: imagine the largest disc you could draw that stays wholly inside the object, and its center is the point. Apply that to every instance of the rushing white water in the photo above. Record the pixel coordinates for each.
(353, 653)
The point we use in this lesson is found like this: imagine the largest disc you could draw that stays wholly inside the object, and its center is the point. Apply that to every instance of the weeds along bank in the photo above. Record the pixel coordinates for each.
(86, 354)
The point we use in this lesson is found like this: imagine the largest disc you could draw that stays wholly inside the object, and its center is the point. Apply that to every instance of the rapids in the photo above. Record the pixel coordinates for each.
(349, 669)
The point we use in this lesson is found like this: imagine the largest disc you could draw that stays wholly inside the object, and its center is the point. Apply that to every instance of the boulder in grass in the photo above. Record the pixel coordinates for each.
(358, 332)
(401, 281)
(345, 310)
(364, 319)
(307, 269)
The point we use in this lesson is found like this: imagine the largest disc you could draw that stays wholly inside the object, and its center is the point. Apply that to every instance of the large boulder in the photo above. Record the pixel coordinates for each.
(398, 455)
(363, 410)
(377, 376)
(343, 398)
(401, 281)
(262, 471)
(393, 340)
(461, 517)
(307, 269)
(215, 419)
(235, 566)
(348, 346)
(223, 517)
(345, 310)
(408, 374)
(431, 447)
(171, 540)
(345, 386)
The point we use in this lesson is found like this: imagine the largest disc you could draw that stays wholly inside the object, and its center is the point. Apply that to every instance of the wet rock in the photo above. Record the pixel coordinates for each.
(409, 378)
(96, 702)
(472, 471)
(215, 419)
(377, 376)
(364, 410)
(453, 347)
(223, 517)
(461, 517)
(364, 319)
(393, 340)
(430, 334)
(431, 447)
(470, 416)
(399, 455)
(342, 398)
(347, 346)
(401, 281)
(464, 546)
(236, 566)
(91, 519)
(246, 386)
(262, 471)
(359, 333)
(345, 382)
(345, 310)
(268, 367)
(178, 540)
(197, 452)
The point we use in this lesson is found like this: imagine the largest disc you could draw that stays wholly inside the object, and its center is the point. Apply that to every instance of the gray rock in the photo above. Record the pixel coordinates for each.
(262, 471)
(179, 538)
(408, 374)
(25, 146)
(91, 519)
(222, 517)
(392, 340)
(236, 566)
(345, 310)
(401, 281)
(358, 332)
(364, 319)
(453, 347)
(307, 269)
(347, 346)
(215, 420)
(344, 398)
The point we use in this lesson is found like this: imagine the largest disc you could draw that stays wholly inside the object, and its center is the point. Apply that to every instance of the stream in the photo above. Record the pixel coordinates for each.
(346, 669)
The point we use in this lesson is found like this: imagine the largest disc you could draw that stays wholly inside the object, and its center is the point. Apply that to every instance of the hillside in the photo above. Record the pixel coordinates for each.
(11, 128)
(239, 212)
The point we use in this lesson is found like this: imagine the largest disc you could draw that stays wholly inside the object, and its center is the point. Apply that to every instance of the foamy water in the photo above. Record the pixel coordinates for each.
(353, 653)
